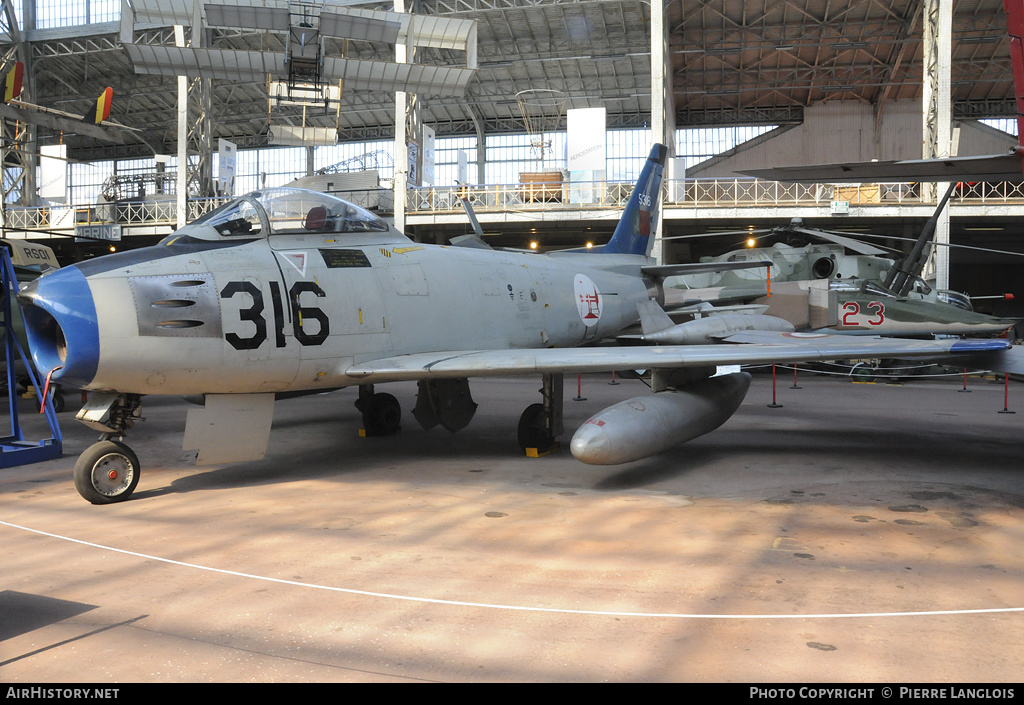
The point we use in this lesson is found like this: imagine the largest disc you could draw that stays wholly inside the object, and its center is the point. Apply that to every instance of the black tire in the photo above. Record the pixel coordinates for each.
(382, 415)
(93, 478)
(532, 433)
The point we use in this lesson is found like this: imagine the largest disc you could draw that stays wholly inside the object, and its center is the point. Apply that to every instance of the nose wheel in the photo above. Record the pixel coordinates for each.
(107, 472)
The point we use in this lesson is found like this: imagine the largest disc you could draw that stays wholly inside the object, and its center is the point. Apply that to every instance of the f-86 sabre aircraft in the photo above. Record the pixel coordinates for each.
(287, 291)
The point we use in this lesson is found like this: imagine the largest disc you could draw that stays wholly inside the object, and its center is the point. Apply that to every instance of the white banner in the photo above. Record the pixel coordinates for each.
(586, 139)
(585, 153)
(226, 166)
(53, 172)
(428, 156)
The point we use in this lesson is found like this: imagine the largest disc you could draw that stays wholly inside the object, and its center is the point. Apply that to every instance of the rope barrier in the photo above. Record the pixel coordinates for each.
(849, 373)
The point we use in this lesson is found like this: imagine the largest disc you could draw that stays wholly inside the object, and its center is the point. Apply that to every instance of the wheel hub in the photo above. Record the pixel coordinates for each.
(112, 473)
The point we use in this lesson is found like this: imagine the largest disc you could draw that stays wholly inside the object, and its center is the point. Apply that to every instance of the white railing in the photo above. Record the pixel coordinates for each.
(702, 193)
(754, 192)
(997, 192)
(598, 194)
(148, 213)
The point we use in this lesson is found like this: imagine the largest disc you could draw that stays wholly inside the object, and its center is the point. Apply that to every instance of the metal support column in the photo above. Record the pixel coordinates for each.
(18, 147)
(195, 133)
(662, 111)
(407, 122)
(938, 114)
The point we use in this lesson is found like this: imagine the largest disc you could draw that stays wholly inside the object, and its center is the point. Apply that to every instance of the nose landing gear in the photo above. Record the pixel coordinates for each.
(108, 471)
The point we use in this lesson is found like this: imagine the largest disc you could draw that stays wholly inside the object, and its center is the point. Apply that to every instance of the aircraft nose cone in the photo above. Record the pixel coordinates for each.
(61, 325)
(590, 444)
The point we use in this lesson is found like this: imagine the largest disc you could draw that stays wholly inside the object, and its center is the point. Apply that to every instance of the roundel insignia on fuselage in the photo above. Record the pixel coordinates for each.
(588, 300)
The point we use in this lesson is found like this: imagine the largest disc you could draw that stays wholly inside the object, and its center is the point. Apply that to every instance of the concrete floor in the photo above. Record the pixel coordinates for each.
(860, 533)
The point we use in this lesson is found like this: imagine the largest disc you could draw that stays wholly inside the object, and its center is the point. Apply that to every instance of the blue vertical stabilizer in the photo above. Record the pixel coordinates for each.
(637, 228)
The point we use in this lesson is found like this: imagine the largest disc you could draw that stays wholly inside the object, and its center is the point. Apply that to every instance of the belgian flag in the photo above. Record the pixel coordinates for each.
(12, 82)
(102, 110)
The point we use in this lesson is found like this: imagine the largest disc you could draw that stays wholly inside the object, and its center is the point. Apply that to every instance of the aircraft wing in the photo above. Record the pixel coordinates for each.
(750, 347)
(994, 167)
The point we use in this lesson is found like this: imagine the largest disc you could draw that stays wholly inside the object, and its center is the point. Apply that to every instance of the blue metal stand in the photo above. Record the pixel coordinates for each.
(14, 449)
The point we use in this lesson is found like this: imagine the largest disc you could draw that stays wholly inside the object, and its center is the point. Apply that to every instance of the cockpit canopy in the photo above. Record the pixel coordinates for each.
(279, 211)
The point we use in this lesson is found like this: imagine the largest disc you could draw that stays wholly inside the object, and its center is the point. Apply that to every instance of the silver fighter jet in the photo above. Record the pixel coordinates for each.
(287, 291)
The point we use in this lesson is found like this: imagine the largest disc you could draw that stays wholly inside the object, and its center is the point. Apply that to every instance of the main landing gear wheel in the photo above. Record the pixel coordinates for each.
(382, 415)
(532, 431)
(107, 472)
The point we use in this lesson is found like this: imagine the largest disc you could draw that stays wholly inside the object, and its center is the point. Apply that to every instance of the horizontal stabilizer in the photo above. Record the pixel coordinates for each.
(473, 240)
(653, 318)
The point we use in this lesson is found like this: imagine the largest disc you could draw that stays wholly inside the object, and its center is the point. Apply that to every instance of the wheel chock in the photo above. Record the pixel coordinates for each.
(538, 453)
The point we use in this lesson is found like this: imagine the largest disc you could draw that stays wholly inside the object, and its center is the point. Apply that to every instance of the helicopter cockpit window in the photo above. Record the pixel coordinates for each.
(296, 212)
(955, 298)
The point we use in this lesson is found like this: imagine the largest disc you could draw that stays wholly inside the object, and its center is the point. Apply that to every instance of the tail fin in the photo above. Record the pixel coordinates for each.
(636, 230)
